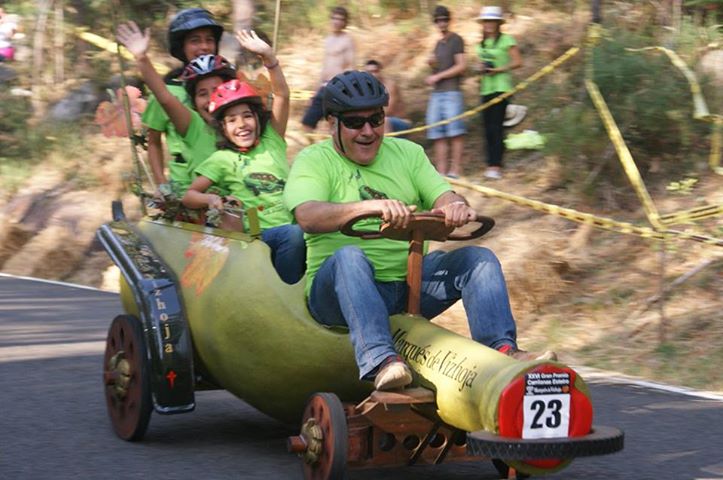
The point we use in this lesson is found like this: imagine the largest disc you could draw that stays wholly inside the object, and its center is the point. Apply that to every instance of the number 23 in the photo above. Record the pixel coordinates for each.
(551, 412)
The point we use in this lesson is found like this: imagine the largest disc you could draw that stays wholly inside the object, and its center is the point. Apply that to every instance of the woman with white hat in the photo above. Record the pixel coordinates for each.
(498, 54)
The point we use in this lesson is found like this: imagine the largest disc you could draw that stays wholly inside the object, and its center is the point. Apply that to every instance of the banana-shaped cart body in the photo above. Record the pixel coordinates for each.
(206, 307)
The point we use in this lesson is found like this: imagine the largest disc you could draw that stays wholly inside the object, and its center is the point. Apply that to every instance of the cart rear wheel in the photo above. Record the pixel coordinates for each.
(324, 431)
(126, 378)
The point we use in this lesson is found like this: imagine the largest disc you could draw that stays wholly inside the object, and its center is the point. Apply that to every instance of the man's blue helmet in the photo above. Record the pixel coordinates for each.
(353, 90)
(185, 21)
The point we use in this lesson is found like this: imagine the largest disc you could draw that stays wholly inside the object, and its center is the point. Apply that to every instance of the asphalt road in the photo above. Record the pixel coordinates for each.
(53, 423)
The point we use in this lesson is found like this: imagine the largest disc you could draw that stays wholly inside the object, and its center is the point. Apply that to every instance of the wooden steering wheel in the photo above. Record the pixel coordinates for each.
(431, 225)
(422, 226)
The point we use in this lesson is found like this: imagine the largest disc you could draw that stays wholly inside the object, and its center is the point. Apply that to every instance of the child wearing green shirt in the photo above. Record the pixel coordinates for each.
(192, 32)
(251, 164)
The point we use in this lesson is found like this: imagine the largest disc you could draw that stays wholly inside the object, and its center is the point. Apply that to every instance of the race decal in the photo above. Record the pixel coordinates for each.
(207, 254)
(546, 405)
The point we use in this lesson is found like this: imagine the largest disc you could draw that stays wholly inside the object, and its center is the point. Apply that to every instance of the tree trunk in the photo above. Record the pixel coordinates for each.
(59, 42)
(38, 57)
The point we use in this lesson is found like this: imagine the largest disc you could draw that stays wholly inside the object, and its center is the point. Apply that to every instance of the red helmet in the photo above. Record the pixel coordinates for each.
(230, 93)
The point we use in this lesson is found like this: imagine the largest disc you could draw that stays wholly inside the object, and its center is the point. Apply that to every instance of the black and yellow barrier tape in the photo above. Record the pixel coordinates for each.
(694, 214)
(546, 70)
(626, 158)
(590, 219)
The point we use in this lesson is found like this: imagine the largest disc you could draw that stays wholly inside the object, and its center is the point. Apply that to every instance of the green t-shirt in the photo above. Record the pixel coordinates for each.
(401, 171)
(155, 117)
(497, 52)
(257, 178)
(200, 143)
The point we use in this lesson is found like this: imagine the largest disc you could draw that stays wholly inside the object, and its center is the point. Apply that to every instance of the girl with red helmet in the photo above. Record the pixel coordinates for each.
(201, 76)
(251, 164)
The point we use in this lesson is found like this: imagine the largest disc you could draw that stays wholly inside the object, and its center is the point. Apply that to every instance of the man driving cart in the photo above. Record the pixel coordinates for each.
(359, 283)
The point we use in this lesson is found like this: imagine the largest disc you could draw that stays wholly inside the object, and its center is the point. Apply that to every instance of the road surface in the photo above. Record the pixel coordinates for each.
(53, 423)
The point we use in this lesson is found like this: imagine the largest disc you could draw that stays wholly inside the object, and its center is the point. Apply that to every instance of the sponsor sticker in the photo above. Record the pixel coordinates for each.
(546, 405)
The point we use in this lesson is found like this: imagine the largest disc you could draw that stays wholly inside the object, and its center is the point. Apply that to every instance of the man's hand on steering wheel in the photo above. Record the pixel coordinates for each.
(456, 213)
(393, 212)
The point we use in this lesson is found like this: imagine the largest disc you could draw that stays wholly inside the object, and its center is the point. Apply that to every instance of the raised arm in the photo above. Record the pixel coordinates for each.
(136, 41)
(280, 109)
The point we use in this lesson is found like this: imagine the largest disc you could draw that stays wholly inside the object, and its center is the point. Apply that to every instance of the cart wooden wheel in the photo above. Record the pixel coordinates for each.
(126, 378)
(324, 432)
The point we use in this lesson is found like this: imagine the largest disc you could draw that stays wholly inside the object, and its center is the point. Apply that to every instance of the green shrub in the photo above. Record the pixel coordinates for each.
(651, 103)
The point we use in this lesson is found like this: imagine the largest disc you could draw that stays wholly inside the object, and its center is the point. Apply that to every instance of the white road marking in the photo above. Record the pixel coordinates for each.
(46, 351)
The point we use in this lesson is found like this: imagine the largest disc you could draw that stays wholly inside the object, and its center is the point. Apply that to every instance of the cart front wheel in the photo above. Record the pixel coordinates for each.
(324, 431)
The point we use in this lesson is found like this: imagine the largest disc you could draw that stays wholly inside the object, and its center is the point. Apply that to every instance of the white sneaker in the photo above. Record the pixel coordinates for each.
(493, 173)
(394, 374)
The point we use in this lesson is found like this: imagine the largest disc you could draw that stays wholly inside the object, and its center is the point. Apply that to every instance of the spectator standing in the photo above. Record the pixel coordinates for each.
(446, 101)
(395, 121)
(338, 57)
(498, 54)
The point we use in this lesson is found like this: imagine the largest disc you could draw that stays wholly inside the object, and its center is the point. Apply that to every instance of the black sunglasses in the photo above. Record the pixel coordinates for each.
(441, 19)
(355, 122)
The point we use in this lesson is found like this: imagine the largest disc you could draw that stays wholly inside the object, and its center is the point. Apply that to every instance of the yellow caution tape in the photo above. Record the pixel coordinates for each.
(626, 158)
(111, 46)
(301, 95)
(546, 70)
(698, 213)
(590, 219)
(699, 107)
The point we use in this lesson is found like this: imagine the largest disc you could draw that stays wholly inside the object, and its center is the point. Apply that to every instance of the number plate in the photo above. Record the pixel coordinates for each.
(546, 405)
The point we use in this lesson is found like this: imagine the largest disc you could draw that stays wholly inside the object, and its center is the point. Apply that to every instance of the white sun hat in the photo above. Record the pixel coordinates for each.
(514, 114)
(491, 13)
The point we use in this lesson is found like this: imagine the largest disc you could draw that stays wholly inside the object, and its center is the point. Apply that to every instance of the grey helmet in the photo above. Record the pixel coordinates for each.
(185, 21)
(353, 90)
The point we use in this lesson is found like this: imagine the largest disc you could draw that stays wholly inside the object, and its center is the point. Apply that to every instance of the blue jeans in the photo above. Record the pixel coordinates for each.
(442, 106)
(345, 293)
(288, 251)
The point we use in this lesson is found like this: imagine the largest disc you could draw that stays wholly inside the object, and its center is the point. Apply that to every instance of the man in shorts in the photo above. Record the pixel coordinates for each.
(446, 101)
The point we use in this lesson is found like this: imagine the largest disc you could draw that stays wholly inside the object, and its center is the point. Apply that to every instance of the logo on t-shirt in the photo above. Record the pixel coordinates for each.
(259, 182)
(368, 193)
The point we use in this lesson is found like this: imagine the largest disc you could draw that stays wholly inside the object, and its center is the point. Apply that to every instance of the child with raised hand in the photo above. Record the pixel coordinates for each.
(251, 161)
(201, 75)
(191, 33)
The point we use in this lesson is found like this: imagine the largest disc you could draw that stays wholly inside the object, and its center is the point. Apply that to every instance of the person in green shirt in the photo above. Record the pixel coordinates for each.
(498, 54)
(201, 75)
(192, 32)
(251, 164)
(359, 283)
